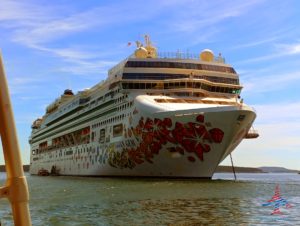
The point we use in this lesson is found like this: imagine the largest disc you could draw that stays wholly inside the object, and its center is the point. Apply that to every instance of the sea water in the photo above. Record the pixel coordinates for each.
(122, 201)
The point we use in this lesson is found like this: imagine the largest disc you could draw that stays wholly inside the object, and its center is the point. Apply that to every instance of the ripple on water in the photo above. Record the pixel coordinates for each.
(111, 201)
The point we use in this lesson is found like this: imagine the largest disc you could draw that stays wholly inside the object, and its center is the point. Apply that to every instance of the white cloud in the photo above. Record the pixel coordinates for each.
(18, 85)
(17, 13)
(56, 28)
(88, 67)
(266, 83)
(256, 43)
(201, 16)
(81, 61)
(38, 27)
(278, 125)
(289, 49)
(276, 140)
(278, 113)
(35, 24)
(280, 50)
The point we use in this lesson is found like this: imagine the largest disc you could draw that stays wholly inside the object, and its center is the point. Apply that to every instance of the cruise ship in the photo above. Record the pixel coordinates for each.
(156, 115)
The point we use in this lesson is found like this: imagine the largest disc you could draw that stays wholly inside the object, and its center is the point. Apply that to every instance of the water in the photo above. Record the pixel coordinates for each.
(117, 201)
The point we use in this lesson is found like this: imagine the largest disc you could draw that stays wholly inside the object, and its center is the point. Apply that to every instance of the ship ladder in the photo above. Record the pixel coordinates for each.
(15, 188)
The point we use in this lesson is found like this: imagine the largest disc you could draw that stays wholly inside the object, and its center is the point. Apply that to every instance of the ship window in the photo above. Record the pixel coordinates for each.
(142, 86)
(117, 130)
(93, 136)
(102, 136)
(197, 85)
(204, 86)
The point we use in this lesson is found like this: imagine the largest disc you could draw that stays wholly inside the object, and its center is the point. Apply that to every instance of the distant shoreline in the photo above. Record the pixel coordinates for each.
(264, 169)
(220, 169)
(25, 168)
(238, 169)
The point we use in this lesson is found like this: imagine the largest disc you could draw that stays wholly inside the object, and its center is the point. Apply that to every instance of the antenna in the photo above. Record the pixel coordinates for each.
(147, 40)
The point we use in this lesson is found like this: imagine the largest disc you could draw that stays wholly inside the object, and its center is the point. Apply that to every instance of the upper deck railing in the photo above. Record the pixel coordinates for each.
(187, 55)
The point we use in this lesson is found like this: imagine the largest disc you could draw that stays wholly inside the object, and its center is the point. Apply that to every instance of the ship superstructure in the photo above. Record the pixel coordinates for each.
(162, 115)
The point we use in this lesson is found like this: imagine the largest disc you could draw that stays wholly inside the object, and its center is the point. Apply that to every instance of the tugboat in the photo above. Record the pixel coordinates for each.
(43, 172)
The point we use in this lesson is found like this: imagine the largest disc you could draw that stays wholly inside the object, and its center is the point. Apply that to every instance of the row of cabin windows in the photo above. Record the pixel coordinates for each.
(111, 93)
(194, 101)
(85, 100)
(120, 99)
(117, 130)
(108, 121)
(194, 66)
(68, 152)
(218, 79)
(107, 112)
(116, 118)
(60, 153)
(125, 106)
(179, 94)
(179, 85)
(159, 76)
(74, 119)
(95, 102)
(78, 137)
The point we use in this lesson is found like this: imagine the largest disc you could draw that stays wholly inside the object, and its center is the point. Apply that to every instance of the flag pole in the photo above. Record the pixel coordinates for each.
(15, 188)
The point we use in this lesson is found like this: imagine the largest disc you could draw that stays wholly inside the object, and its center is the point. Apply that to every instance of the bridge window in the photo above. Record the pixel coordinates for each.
(195, 66)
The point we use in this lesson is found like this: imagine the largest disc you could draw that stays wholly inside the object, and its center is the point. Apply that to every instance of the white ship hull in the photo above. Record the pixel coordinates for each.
(158, 144)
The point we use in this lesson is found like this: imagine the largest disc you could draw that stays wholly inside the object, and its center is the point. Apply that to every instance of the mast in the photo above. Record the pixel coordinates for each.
(15, 189)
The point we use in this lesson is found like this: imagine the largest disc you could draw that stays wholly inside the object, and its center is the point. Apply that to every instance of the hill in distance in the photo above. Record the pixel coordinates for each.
(275, 169)
(264, 169)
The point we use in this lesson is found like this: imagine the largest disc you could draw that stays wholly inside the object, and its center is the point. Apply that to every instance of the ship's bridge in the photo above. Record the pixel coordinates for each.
(178, 73)
(184, 75)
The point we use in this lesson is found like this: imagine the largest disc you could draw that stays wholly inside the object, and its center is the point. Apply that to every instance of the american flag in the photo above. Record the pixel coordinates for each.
(277, 201)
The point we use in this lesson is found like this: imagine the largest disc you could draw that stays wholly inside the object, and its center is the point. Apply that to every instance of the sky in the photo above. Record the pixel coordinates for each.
(48, 46)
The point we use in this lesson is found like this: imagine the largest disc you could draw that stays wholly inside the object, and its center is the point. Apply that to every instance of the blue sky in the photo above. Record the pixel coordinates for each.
(48, 46)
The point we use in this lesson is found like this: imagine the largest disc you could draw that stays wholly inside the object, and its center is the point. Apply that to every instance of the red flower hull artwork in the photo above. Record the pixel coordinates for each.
(150, 137)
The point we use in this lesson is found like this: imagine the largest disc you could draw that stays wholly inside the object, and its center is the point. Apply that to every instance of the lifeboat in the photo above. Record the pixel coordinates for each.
(252, 134)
